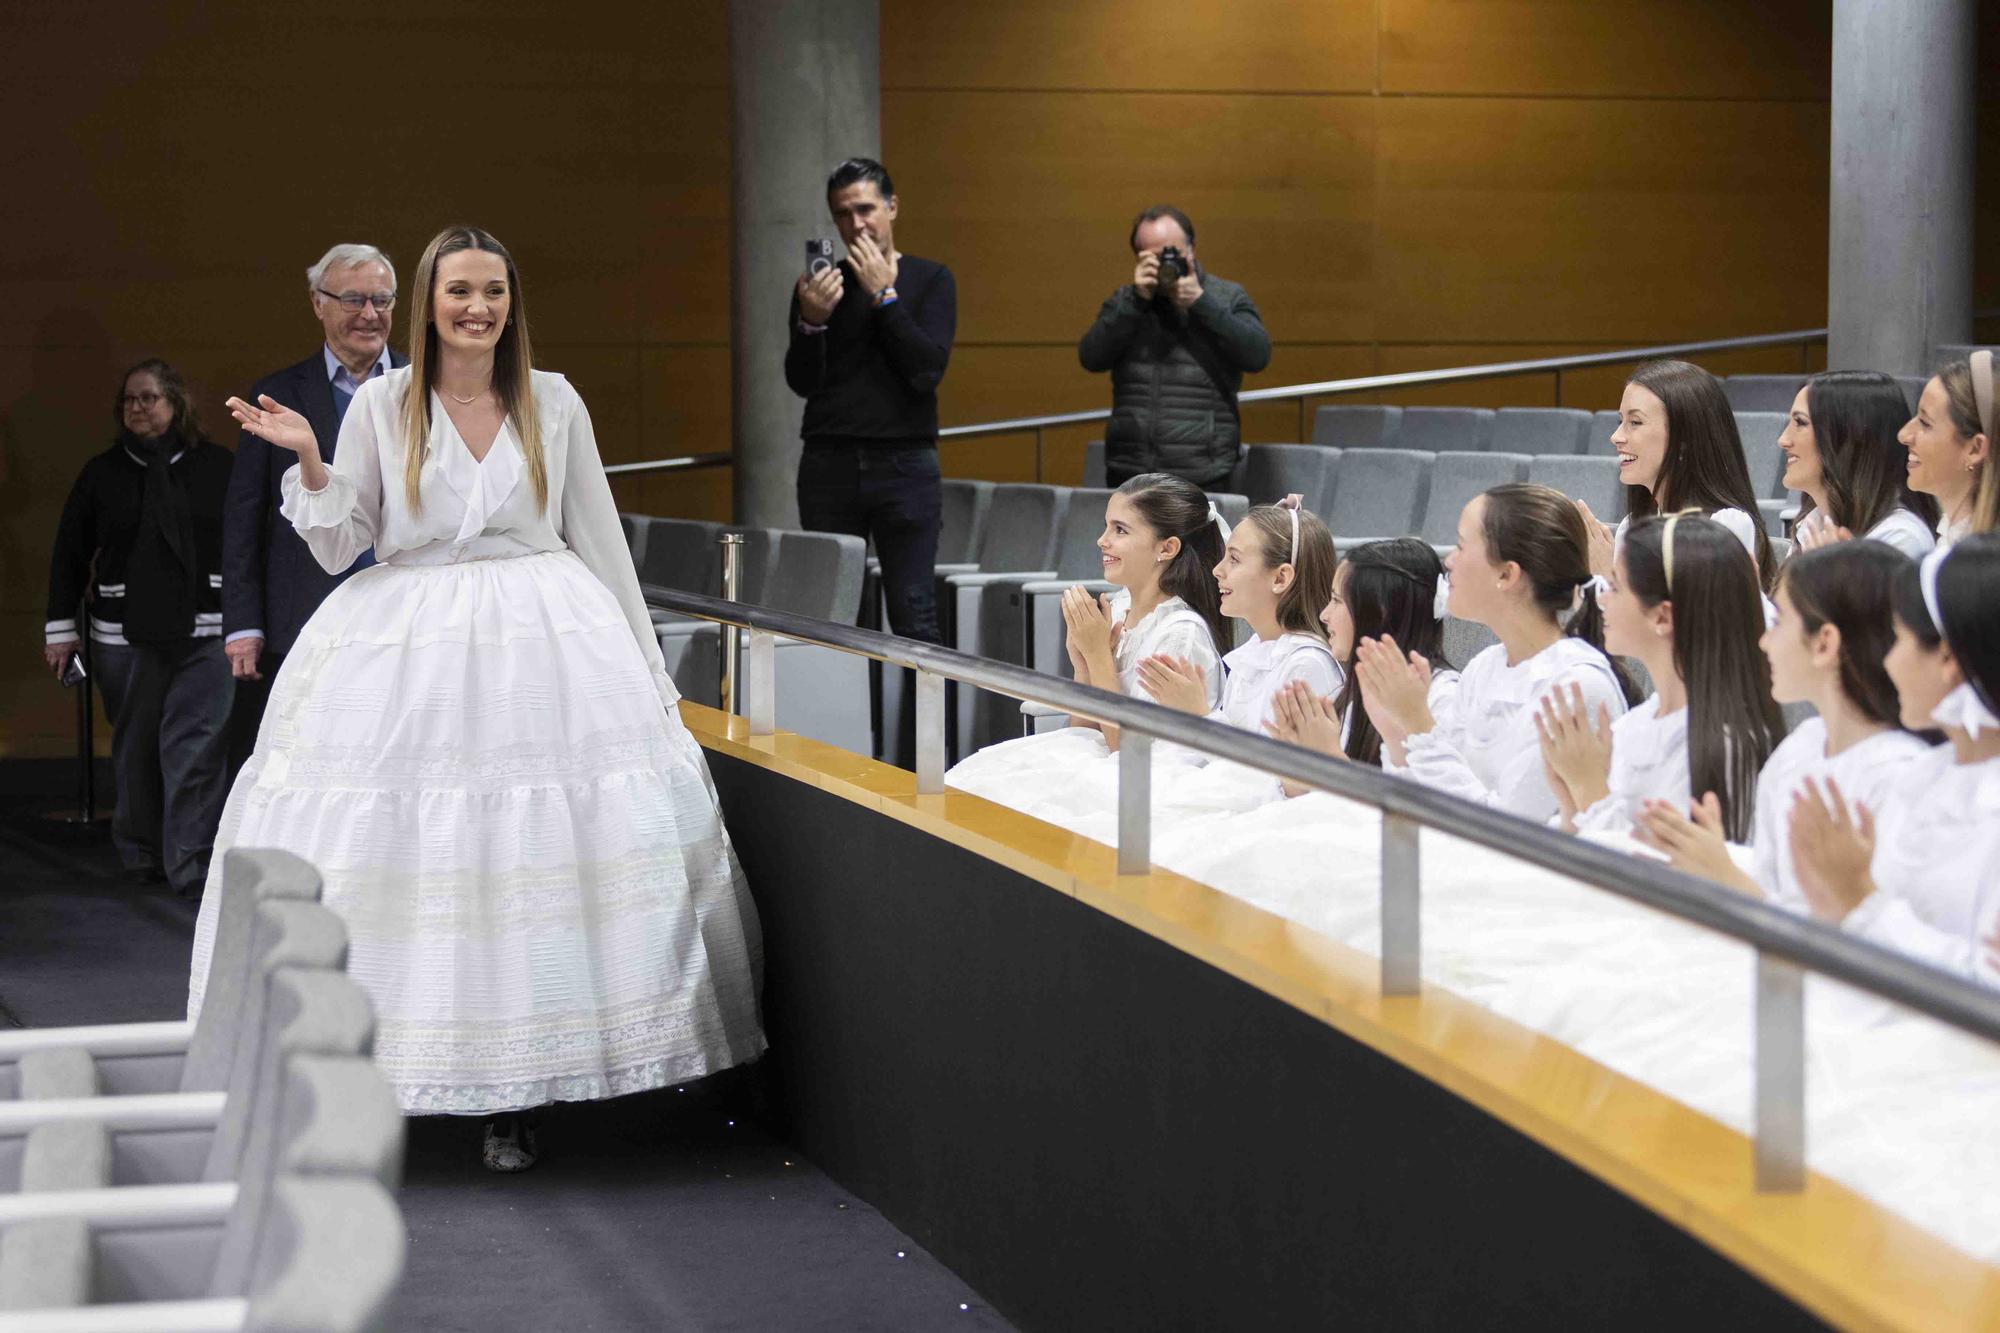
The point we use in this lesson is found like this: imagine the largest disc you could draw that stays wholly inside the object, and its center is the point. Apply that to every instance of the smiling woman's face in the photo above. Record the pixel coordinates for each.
(1641, 437)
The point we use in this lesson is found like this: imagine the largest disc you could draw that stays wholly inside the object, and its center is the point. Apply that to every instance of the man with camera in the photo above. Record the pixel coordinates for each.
(870, 339)
(1177, 341)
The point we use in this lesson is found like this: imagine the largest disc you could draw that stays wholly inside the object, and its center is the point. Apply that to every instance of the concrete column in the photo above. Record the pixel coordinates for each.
(1899, 252)
(805, 92)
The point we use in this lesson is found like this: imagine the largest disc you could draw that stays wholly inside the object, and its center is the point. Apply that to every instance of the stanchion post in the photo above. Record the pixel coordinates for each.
(1135, 802)
(730, 640)
(760, 692)
(1781, 1075)
(930, 733)
(1402, 944)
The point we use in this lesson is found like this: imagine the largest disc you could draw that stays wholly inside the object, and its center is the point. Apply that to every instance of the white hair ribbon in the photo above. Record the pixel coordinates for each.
(1596, 583)
(1982, 391)
(1927, 578)
(1441, 600)
(1221, 524)
(1962, 708)
(1291, 503)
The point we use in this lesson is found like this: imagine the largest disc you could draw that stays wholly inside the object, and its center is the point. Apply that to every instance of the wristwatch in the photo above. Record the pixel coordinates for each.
(887, 296)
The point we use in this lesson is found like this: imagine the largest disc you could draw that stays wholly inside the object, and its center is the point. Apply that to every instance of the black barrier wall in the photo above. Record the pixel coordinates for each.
(1100, 1132)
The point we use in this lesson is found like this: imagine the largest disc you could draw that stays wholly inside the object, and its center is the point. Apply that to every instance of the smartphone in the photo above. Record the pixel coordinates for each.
(819, 255)
(73, 672)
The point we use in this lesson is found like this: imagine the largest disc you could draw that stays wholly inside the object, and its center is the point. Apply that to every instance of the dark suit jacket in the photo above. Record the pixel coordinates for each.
(270, 580)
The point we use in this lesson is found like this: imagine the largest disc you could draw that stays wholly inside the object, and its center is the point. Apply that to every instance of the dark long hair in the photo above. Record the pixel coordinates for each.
(1174, 507)
(1704, 467)
(1540, 530)
(1390, 587)
(1856, 416)
(185, 428)
(1733, 722)
(1968, 593)
(1312, 564)
(1851, 586)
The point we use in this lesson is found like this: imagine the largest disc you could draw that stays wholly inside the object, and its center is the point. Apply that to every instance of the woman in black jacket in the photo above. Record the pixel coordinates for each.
(140, 544)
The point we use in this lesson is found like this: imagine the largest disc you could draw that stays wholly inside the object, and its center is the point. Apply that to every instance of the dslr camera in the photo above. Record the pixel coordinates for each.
(819, 255)
(1173, 267)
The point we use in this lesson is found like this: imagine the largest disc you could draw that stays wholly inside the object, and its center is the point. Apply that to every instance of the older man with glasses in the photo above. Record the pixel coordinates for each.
(271, 583)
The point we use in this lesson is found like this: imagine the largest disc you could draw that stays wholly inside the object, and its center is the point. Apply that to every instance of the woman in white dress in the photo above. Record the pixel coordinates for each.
(1843, 457)
(475, 741)
(1678, 448)
(1835, 626)
(1684, 602)
(1521, 565)
(1922, 872)
(1950, 440)
(1161, 538)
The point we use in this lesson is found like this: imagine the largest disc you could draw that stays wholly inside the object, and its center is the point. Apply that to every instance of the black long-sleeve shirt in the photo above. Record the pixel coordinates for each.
(872, 375)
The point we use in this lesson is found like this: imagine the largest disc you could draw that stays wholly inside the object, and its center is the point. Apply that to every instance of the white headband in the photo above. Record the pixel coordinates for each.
(1962, 708)
(1292, 503)
(1982, 391)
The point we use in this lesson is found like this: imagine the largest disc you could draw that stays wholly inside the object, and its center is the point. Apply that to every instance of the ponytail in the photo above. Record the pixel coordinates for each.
(1540, 530)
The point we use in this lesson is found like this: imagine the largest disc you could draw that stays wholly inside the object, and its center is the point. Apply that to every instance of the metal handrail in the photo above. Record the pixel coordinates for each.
(685, 461)
(1787, 946)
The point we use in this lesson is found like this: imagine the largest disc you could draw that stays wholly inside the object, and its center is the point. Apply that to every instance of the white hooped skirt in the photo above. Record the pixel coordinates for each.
(525, 847)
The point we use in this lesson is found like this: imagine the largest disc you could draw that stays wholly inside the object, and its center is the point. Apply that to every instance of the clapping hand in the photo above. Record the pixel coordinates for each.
(1300, 717)
(873, 269)
(1087, 620)
(1395, 689)
(1175, 682)
(820, 293)
(1692, 840)
(1601, 541)
(1831, 850)
(1819, 531)
(273, 421)
(1575, 753)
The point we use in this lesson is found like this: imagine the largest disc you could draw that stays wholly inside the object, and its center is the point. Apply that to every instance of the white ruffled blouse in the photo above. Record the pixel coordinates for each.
(1937, 865)
(1261, 667)
(472, 509)
(1172, 628)
(1872, 771)
(1487, 749)
(1649, 762)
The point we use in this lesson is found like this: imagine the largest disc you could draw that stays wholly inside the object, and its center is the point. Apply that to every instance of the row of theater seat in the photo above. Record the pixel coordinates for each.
(231, 1173)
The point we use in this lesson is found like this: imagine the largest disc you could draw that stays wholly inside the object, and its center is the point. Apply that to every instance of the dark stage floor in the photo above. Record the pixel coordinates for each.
(669, 1210)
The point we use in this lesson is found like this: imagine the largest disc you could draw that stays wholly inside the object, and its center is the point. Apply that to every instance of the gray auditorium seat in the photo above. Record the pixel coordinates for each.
(132, 1058)
(1093, 464)
(962, 514)
(1455, 479)
(1270, 472)
(1019, 544)
(1357, 426)
(687, 555)
(1465, 640)
(1440, 430)
(1603, 425)
(1541, 430)
(1378, 493)
(684, 554)
(1762, 393)
(1776, 514)
(1760, 432)
(1585, 477)
(1913, 389)
(634, 526)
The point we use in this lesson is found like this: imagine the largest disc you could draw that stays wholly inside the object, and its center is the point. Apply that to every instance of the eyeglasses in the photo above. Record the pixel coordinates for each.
(384, 301)
(149, 401)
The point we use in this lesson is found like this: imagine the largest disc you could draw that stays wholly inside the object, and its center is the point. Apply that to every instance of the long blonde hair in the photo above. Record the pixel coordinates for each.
(513, 364)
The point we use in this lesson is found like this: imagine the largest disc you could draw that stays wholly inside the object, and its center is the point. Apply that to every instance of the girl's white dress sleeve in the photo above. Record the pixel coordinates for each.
(341, 519)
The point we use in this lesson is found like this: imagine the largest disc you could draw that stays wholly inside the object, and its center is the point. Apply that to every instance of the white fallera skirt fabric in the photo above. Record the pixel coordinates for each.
(524, 845)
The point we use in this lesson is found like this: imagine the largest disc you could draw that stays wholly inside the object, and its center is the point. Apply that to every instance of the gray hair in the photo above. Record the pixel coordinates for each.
(348, 255)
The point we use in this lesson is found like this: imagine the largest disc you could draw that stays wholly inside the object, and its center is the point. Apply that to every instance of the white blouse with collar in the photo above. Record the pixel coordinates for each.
(1649, 762)
(1937, 865)
(1262, 667)
(1872, 771)
(471, 509)
(1487, 749)
(1174, 629)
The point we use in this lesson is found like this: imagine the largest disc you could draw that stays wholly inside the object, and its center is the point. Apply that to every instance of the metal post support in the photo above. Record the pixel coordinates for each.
(1781, 1075)
(760, 688)
(1402, 953)
(730, 639)
(930, 733)
(1135, 803)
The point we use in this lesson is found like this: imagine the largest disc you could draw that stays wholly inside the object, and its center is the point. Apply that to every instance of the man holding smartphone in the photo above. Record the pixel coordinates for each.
(869, 342)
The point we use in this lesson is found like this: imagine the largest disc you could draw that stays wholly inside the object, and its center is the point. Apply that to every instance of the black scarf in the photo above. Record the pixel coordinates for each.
(162, 576)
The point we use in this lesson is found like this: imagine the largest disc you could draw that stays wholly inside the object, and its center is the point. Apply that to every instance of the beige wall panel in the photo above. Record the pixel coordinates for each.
(1607, 222)
(1591, 389)
(684, 396)
(703, 493)
(1243, 45)
(1030, 199)
(1726, 49)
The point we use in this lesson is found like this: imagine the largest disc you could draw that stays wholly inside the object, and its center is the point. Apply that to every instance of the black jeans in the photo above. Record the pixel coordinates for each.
(889, 493)
(169, 704)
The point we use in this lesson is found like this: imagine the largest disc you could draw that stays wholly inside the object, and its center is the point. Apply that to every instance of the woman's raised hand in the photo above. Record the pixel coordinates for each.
(1575, 751)
(1300, 717)
(1175, 682)
(1602, 539)
(1831, 850)
(1087, 620)
(1395, 689)
(273, 421)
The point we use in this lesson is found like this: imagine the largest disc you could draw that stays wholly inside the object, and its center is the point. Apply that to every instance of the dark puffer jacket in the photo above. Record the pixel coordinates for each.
(1168, 411)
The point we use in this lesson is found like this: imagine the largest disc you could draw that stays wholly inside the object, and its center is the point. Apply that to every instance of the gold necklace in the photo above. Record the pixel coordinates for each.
(463, 402)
